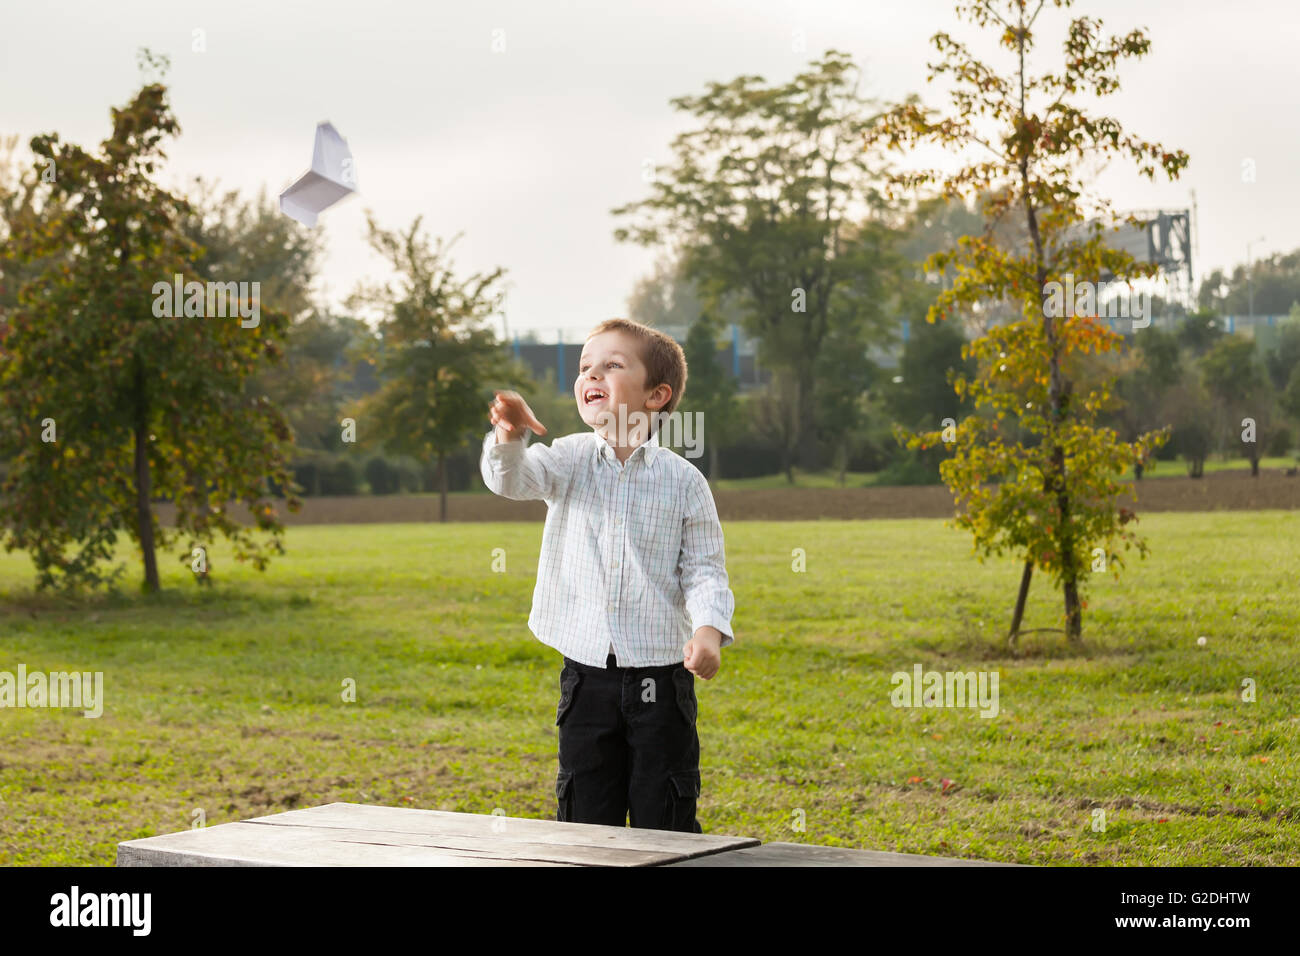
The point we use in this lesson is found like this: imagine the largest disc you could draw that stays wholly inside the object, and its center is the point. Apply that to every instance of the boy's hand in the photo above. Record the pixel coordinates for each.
(703, 652)
(511, 415)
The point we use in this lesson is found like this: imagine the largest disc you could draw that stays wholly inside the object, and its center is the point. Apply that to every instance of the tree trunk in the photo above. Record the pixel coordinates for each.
(1065, 544)
(442, 488)
(1073, 611)
(143, 513)
(1254, 463)
(713, 461)
(809, 453)
(1019, 614)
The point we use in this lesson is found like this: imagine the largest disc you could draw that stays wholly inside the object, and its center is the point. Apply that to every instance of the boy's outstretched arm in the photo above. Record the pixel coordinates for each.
(509, 467)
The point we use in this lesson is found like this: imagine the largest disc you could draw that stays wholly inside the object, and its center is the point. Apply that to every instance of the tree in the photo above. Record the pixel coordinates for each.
(1283, 356)
(710, 391)
(669, 297)
(1244, 401)
(326, 371)
(932, 357)
(761, 193)
(110, 400)
(1199, 331)
(1054, 499)
(847, 376)
(436, 356)
(1273, 282)
(252, 240)
(1146, 371)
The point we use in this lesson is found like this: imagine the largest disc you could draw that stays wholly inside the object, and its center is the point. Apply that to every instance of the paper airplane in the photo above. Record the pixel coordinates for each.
(331, 178)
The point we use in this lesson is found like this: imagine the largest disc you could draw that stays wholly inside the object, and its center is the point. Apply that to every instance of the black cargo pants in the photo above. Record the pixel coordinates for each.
(629, 753)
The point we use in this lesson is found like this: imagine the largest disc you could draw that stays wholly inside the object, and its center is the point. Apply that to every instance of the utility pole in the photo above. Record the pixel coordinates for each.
(1250, 280)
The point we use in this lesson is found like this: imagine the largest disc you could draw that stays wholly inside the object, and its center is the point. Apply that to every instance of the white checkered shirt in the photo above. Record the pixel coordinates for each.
(632, 555)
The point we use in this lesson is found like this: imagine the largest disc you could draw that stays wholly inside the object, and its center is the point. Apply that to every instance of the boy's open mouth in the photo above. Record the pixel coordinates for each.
(593, 395)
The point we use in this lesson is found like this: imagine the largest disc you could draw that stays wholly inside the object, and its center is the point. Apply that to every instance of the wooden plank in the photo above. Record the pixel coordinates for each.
(251, 844)
(350, 834)
(484, 827)
(803, 854)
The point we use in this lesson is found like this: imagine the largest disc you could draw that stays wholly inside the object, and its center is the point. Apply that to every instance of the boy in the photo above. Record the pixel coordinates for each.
(632, 565)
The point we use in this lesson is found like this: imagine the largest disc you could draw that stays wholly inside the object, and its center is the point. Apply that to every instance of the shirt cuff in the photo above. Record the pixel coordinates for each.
(717, 621)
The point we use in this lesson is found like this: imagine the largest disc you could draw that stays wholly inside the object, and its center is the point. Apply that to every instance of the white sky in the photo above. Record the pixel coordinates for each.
(526, 151)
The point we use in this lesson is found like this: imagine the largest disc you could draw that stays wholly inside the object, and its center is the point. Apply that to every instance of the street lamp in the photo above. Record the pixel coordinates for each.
(1250, 279)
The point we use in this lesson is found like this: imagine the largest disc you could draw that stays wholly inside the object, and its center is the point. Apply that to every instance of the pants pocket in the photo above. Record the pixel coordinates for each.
(684, 688)
(683, 796)
(569, 680)
(564, 797)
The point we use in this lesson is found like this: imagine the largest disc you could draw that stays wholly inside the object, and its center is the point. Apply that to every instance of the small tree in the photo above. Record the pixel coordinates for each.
(1054, 502)
(436, 358)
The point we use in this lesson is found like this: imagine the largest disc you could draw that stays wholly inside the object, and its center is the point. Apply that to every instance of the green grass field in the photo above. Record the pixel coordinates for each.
(829, 478)
(229, 701)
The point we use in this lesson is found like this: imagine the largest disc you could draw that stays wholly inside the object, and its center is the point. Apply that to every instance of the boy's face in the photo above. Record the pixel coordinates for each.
(611, 364)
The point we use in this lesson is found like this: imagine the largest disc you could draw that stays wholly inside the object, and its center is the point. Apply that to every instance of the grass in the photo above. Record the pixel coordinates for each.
(829, 478)
(229, 701)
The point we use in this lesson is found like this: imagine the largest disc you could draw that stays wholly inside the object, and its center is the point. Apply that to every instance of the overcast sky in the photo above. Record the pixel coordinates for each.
(527, 150)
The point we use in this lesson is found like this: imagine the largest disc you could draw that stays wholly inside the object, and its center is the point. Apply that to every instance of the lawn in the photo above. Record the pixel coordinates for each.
(229, 701)
(829, 478)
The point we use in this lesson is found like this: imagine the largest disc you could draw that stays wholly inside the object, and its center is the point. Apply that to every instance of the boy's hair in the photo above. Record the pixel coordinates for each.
(664, 360)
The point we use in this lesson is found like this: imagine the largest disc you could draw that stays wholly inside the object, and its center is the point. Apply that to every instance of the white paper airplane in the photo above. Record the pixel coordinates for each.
(331, 178)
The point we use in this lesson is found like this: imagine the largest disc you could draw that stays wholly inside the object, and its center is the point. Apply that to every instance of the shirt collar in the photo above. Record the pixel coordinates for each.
(648, 449)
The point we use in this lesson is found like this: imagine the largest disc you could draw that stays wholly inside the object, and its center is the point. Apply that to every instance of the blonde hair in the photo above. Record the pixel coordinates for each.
(664, 360)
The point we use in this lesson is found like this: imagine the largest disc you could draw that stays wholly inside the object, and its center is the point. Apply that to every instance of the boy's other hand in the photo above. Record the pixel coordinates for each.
(511, 415)
(703, 652)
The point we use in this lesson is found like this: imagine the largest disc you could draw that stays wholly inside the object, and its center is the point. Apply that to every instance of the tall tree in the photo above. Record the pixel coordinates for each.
(112, 401)
(438, 355)
(1055, 496)
(761, 193)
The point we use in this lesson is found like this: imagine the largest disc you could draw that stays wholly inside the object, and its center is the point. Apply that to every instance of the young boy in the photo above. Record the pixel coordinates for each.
(632, 581)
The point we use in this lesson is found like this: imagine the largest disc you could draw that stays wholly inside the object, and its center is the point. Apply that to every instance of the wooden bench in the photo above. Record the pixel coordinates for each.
(354, 834)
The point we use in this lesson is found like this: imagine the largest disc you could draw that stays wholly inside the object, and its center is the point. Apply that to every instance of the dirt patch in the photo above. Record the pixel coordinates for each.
(1218, 491)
